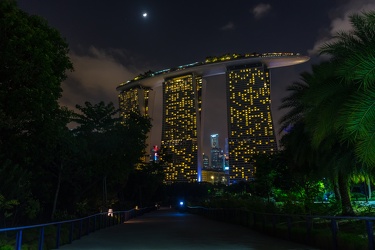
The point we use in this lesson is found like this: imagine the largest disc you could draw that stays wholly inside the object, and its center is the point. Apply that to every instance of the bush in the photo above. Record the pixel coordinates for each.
(358, 196)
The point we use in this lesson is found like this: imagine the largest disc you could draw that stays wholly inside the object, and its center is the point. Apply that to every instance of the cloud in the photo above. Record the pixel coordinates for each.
(340, 21)
(96, 75)
(228, 26)
(260, 10)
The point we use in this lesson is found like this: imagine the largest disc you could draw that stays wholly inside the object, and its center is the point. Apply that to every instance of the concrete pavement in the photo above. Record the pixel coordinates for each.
(169, 229)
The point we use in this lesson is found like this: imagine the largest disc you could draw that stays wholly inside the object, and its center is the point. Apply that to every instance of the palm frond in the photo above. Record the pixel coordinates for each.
(365, 149)
(293, 103)
(359, 67)
(357, 117)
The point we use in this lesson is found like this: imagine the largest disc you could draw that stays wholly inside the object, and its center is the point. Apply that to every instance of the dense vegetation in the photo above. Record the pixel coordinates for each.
(48, 171)
(332, 112)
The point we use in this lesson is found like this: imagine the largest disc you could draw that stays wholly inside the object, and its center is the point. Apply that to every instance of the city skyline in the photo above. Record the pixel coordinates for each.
(246, 118)
(215, 90)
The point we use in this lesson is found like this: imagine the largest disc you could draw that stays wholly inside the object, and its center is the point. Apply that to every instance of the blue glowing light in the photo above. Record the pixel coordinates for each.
(181, 203)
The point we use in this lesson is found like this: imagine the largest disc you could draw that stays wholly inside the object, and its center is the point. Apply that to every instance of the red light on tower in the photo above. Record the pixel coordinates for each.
(155, 153)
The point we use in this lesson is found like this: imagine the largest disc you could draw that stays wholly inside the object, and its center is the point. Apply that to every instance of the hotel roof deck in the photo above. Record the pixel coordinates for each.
(214, 66)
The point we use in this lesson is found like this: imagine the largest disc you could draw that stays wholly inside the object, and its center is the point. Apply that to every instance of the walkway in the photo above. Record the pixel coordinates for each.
(169, 229)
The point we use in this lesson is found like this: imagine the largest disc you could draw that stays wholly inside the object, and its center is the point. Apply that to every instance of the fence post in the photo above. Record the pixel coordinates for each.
(41, 238)
(58, 231)
(254, 220)
(289, 221)
(274, 224)
(19, 240)
(80, 229)
(264, 222)
(247, 218)
(308, 229)
(334, 233)
(370, 234)
(88, 226)
(71, 232)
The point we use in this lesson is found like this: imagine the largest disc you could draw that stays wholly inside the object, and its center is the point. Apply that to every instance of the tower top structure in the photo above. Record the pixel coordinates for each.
(214, 65)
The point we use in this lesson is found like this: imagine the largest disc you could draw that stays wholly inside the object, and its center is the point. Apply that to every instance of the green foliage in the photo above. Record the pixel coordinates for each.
(15, 185)
(145, 184)
(247, 202)
(332, 111)
(33, 208)
(62, 215)
(82, 207)
(110, 149)
(34, 59)
(6, 247)
(364, 209)
(354, 56)
(265, 175)
(97, 118)
(7, 205)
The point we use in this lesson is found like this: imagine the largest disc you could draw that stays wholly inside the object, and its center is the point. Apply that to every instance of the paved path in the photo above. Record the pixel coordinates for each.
(169, 229)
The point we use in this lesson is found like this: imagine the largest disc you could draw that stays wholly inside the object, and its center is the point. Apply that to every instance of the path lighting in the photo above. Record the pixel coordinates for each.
(110, 212)
(181, 203)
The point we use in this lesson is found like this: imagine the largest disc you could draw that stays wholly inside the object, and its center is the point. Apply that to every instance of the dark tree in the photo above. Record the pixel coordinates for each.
(34, 60)
(112, 148)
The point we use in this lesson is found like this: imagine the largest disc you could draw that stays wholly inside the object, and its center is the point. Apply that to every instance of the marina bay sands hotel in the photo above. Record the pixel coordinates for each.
(178, 111)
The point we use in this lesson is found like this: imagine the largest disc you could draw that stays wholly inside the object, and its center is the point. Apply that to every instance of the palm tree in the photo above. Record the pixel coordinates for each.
(293, 102)
(314, 141)
(342, 102)
(353, 53)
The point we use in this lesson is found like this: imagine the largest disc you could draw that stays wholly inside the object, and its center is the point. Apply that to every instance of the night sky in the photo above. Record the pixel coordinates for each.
(111, 42)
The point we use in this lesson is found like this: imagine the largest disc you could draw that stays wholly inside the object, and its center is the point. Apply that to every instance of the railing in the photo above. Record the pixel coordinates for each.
(306, 229)
(70, 230)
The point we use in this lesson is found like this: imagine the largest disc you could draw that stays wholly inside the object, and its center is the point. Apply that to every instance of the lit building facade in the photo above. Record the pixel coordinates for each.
(215, 141)
(249, 120)
(206, 162)
(134, 100)
(181, 118)
(216, 153)
(214, 176)
(250, 125)
(216, 158)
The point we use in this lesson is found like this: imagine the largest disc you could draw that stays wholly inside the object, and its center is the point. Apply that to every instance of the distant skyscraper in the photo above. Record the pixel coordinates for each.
(250, 126)
(216, 154)
(206, 162)
(226, 163)
(216, 161)
(215, 141)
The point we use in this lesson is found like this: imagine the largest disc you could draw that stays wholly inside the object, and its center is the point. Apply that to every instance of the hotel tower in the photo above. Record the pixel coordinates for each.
(181, 107)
